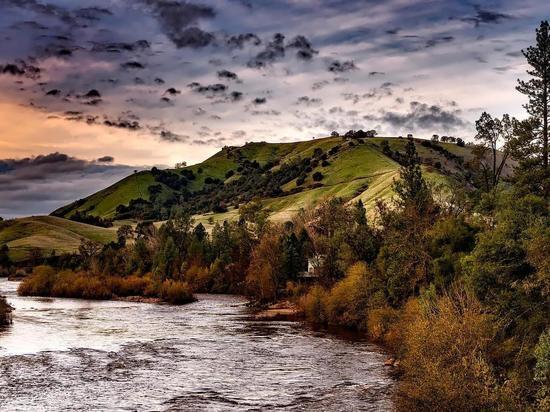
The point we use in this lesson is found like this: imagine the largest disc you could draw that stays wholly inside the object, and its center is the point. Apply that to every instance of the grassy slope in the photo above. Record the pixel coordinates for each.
(49, 233)
(104, 202)
(357, 172)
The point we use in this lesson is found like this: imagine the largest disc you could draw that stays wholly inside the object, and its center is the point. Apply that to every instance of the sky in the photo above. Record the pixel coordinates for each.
(92, 90)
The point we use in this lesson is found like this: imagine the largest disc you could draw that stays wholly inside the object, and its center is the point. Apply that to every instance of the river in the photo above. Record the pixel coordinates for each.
(67, 354)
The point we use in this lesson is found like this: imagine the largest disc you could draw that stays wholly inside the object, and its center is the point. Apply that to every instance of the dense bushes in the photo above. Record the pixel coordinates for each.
(445, 355)
(79, 216)
(45, 281)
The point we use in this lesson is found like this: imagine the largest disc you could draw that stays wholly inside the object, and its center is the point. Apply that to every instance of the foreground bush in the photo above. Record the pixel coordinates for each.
(445, 361)
(44, 281)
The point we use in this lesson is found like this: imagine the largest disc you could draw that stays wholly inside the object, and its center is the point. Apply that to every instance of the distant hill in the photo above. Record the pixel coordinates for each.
(283, 175)
(48, 233)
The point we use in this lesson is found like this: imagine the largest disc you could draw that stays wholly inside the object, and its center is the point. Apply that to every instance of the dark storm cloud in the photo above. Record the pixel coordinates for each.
(172, 91)
(484, 16)
(177, 20)
(259, 100)
(21, 68)
(119, 47)
(39, 167)
(93, 13)
(337, 66)
(211, 90)
(424, 116)
(240, 40)
(168, 136)
(235, 96)
(121, 123)
(132, 65)
(54, 92)
(106, 159)
(45, 9)
(38, 185)
(227, 75)
(276, 49)
(303, 47)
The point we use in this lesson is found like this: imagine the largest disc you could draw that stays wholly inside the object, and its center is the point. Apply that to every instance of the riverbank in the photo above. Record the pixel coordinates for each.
(282, 310)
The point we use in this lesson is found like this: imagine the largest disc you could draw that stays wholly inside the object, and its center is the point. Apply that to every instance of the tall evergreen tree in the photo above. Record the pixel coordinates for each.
(538, 88)
(411, 189)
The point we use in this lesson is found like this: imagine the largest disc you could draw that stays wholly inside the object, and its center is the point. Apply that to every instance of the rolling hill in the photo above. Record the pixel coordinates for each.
(285, 176)
(356, 169)
(48, 233)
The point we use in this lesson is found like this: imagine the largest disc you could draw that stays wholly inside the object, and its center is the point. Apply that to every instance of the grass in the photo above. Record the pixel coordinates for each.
(359, 172)
(105, 202)
(48, 233)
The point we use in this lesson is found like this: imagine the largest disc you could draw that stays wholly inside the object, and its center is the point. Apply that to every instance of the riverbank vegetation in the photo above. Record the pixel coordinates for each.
(5, 312)
(47, 281)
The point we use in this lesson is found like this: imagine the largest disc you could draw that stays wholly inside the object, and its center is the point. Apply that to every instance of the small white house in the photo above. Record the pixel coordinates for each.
(314, 265)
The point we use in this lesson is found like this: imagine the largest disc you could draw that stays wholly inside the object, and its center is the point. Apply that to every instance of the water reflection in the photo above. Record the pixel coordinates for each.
(63, 354)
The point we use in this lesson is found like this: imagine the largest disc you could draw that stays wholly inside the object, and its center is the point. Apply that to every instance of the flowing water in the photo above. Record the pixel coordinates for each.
(65, 354)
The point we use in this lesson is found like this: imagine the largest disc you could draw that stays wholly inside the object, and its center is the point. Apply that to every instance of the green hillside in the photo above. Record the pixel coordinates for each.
(285, 176)
(350, 168)
(48, 233)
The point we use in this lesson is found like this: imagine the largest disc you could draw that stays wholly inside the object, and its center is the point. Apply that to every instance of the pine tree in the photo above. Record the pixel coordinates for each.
(538, 87)
(411, 189)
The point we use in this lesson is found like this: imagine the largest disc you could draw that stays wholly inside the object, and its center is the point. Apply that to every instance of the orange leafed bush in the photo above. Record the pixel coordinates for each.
(39, 283)
(176, 292)
(131, 285)
(44, 281)
(445, 361)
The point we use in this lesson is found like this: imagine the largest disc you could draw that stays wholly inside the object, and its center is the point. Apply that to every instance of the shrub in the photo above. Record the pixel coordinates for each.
(348, 301)
(80, 285)
(380, 324)
(175, 292)
(317, 176)
(199, 278)
(445, 365)
(5, 312)
(312, 304)
(39, 283)
(130, 285)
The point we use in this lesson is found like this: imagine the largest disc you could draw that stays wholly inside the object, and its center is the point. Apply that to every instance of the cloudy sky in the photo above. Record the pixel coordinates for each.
(91, 90)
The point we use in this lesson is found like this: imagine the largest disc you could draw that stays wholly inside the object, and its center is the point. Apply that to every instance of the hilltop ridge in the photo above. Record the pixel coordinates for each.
(286, 176)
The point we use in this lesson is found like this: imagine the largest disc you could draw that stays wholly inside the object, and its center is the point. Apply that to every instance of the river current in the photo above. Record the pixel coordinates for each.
(66, 355)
